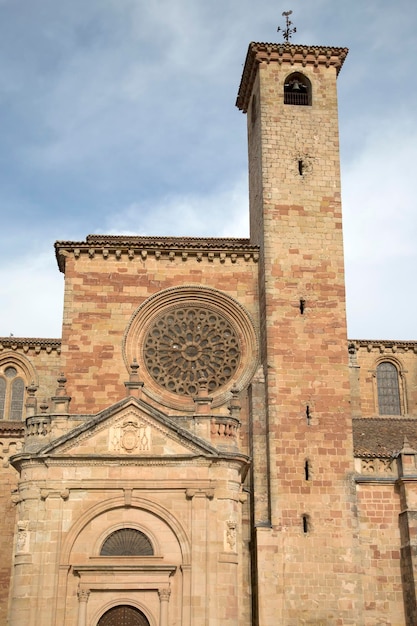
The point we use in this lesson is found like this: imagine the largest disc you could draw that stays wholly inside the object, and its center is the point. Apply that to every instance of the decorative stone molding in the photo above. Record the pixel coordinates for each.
(10, 447)
(179, 250)
(199, 493)
(23, 536)
(230, 536)
(54, 493)
(164, 594)
(375, 466)
(124, 461)
(83, 595)
(29, 344)
(383, 347)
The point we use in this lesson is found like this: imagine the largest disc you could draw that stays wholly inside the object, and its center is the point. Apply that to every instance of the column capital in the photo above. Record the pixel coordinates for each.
(164, 594)
(83, 595)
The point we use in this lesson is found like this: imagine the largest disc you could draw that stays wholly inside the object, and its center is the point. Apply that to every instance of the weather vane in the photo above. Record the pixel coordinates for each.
(288, 32)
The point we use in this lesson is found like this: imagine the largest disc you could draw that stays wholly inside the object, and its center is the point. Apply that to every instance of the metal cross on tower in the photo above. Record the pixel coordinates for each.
(287, 32)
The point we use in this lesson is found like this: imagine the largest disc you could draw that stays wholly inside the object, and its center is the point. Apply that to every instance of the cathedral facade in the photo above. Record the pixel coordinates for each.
(204, 445)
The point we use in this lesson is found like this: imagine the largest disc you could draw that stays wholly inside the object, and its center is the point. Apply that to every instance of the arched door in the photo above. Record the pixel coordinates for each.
(123, 615)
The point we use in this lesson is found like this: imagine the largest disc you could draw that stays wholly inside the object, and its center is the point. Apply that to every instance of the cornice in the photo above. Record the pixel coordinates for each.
(284, 53)
(171, 248)
(30, 343)
(12, 429)
(233, 460)
(383, 345)
(134, 565)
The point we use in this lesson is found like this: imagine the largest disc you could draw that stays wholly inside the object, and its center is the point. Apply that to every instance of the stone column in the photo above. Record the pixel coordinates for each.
(83, 595)
(164, 595)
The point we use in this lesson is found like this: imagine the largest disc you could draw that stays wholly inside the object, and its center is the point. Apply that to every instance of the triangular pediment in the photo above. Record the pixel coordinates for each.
(130, 428)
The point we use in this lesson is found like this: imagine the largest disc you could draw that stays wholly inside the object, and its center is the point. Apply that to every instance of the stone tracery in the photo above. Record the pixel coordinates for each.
(188, 343)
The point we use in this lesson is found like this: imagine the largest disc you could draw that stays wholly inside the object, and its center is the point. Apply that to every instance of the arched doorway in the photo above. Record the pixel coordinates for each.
(123, 615)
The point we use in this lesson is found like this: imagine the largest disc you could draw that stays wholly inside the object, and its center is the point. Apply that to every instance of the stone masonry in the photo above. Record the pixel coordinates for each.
(204, 445)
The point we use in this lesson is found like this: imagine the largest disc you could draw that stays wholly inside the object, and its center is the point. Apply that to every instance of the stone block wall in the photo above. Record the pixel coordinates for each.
(379, 509)
(103, 291)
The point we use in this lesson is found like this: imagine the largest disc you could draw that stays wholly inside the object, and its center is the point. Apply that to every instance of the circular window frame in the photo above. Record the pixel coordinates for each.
(184, 344)
(191, 296)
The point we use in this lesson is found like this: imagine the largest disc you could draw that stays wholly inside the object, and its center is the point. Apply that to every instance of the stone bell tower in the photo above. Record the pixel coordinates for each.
(303, 508)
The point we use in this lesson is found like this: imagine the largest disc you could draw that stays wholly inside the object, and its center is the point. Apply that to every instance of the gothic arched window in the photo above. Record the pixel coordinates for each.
(12, 393)
(297, 90)
(127, 542)
(388, 389)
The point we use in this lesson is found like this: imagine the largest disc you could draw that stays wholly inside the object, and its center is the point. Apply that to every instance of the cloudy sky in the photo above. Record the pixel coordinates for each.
(118, 116)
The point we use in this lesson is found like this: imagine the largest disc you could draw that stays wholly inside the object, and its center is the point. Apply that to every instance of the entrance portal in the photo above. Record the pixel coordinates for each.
(123, 615)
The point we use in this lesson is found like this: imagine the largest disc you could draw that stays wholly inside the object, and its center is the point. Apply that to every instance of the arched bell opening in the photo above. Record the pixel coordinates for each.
(297, 90)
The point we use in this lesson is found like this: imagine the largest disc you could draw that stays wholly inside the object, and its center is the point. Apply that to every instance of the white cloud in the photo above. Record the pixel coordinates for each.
(379, 194)
(31, 296)
(221, 213)
(380, 229)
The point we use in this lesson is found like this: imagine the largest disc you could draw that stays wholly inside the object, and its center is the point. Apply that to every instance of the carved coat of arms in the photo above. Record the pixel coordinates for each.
(131, 436)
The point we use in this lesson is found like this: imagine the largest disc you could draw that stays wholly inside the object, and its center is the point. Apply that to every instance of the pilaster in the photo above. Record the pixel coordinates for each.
(407, 470)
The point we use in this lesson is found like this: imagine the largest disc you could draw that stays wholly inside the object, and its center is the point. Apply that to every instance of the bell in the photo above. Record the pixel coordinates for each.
(295, 86)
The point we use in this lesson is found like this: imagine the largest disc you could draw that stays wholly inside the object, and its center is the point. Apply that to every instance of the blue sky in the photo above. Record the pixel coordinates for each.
(118, 116)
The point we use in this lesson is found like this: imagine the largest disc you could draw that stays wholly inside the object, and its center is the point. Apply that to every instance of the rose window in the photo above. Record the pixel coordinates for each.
(189, 343)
